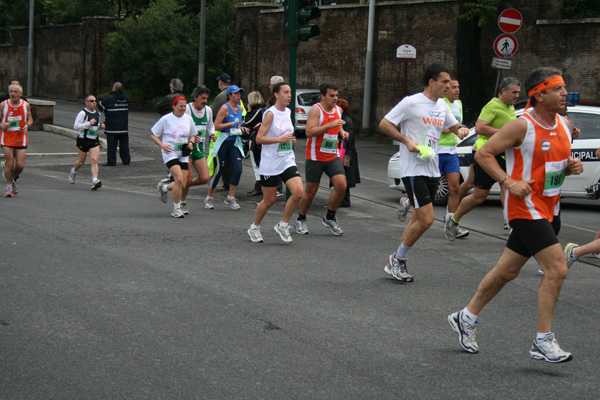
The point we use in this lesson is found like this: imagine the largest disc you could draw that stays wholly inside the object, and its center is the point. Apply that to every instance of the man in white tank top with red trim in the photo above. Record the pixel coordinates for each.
(323, 127)
(538, 157)
(14, 126)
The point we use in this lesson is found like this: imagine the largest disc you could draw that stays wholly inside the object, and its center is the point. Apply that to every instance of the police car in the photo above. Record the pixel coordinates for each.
(586, 118)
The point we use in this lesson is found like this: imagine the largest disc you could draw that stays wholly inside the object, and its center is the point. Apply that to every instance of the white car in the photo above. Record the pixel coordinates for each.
(305, 99)
(586, 118)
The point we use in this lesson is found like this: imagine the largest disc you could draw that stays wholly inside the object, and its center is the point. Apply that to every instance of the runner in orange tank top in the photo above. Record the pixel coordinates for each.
(538, 157)
(16, 120)
(323, 126)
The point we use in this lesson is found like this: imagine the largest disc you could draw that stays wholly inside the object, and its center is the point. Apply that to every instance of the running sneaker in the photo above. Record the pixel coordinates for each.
(255, 234)
(450, 228)
(15, 189)
(301, 227)
(232, 203)
(541, 271)
(8, 192)
(280, 193)
(397, 269)
(184, 208)
(549, 350)
(284, 233)
(461, 233)
(333, 225)
(72, 176)
(163, 192)
(466, 332)
(569, 254)
(97, 185)
(597, 255)
(506, 227)
(208, 203)
(177, 213)
(404, 209)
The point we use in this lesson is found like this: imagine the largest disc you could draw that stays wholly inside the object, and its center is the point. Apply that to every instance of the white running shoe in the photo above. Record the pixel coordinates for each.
(549, 350)
(231, 202)
(72, 176)
(461, 233)
(255, 234)
(208, 203)
(404, 209)
(301, 227)
(466, 332)
(8, 191)
(569, 254)
(284, 233)
(184, 208)
(163, 192)
(177, 213)
(397, 269)
(15, 188)
(541, 271)
(333, 225)
(450, 228)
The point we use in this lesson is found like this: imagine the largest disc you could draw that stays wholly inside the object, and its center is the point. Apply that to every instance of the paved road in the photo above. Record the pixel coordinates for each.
(103, 295)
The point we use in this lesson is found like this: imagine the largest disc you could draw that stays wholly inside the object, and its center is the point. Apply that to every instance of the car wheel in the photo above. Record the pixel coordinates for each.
(441, 194)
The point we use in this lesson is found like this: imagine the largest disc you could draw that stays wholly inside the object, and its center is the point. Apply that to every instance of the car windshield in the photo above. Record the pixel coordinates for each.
(308, 99)
(588, 123)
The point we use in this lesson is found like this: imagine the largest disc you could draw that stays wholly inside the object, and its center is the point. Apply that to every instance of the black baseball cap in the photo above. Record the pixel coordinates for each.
(224, 78)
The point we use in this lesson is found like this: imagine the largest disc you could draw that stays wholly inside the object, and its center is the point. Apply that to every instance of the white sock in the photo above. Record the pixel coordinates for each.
(176, 205)
(255, 226)
(468, 316)
(402, 251)
(231, 197)
(94, 180)
(540, 336)
(283, 224)
(209, 198)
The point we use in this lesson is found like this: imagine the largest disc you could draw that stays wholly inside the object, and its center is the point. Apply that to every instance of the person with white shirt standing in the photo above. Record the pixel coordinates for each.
(421, 117)
(277, 160)
(175, 133)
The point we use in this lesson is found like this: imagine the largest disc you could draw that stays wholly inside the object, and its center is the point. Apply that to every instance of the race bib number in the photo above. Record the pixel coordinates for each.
(180, 146)
(329, 144)
(284, 148)
(235, 132)
(92, 132)
(555, 175)
(201, 129)
(14, 123)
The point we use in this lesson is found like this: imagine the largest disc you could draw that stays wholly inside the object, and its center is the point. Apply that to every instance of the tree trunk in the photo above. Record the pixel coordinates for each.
(470, 71)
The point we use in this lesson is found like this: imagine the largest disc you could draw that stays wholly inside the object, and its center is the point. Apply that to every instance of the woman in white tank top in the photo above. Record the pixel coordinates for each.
(277, 160)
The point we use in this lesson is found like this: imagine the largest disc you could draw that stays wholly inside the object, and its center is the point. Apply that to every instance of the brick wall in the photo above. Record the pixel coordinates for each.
(68, 59)
(339, 53)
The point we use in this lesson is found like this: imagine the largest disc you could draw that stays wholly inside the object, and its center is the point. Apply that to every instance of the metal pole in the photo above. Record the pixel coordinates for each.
(202, 44)
(30, 53)
(369, 67)
(496, 87)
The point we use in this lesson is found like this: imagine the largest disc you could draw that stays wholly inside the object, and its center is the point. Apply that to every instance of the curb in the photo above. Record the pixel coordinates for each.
(59, 130)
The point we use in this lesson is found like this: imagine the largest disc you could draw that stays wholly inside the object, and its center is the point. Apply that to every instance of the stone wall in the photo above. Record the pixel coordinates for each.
(68, 59)
(338, 55)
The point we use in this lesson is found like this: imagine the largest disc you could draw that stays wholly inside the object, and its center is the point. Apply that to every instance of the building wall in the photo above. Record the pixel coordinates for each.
(339, 54)
(68, 59)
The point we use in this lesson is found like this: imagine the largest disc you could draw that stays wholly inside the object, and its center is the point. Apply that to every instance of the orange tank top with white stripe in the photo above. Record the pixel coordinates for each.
(542, 157)
(16, 118)
(324, 147)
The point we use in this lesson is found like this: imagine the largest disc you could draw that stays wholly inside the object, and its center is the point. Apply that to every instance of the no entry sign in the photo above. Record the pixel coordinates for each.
(510, 20)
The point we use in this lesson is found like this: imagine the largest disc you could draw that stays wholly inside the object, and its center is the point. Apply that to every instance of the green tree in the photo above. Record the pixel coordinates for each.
(149, 49)
(581, 9)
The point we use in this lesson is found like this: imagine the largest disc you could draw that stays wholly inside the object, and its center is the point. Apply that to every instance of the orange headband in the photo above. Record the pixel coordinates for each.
(547, 84)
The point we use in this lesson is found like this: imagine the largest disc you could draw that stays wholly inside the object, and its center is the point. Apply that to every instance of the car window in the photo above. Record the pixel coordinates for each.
(470, 141)
(588, 123)
(308, 99)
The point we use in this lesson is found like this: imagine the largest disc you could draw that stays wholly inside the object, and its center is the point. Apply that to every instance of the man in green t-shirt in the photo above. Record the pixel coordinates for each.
(494, 115)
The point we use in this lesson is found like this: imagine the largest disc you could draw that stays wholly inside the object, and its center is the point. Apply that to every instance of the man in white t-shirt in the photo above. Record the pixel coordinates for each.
(421, 117)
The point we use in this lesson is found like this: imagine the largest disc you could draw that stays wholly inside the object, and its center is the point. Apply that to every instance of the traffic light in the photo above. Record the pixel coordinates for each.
(297, 17)
(307, 11)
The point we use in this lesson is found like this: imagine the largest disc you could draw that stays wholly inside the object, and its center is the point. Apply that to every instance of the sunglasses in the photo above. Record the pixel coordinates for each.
(91, 101)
